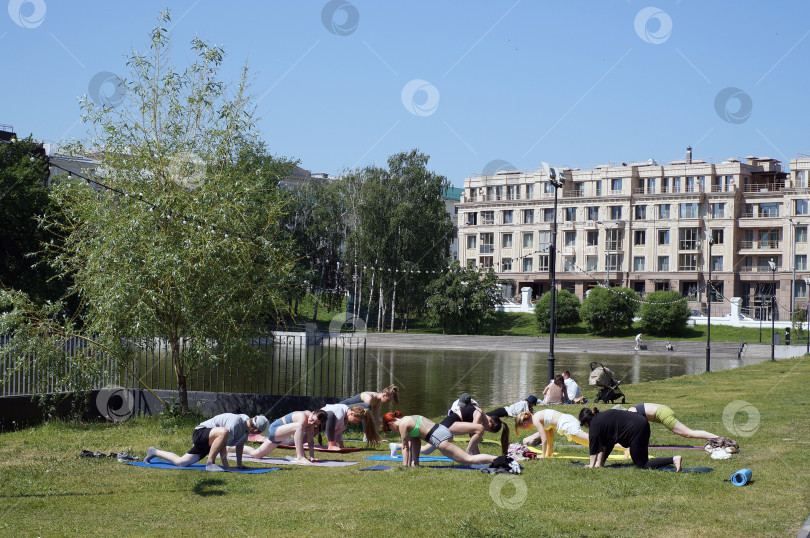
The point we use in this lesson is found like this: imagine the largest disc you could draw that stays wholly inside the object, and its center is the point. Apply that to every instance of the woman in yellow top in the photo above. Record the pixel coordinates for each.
(415, 428)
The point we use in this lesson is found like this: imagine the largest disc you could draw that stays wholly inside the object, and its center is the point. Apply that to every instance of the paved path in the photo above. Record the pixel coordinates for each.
(726, 350)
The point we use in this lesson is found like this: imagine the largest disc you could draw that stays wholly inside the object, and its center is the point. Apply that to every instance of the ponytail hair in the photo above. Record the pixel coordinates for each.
(496, 425)
(392, 391)
(372, 436)
(586, 415)
(390, 417)
(520, 419)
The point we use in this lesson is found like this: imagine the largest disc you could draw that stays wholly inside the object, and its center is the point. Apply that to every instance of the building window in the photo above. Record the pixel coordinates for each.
(527, 265)
(506, 265)
(487, 217)
(569, 263)
(512, 192)
(593, 213)
(487, 245)
(591, 263)
(528, 240)
(487, 262)
(616, 212)
(641, 212)
(542, 264)
(507, 217)
(544, 239)
(676, 184)
(801, 262)
(614, 261)
(663, 263)
(638, 263)
(687, 262)
(689, 210)
(690, 184)
(529, 192)
(472, 219)
(592, 238)
(570, 239)
(616, 186)
(471, 241)
(717, 237)
(800, 179)
(570, 214)
(599, 188)
(651, 185)
(689, 290)
(548, 214)
(770, 210)
(528, 216)
(614, 239)
(801, 234)
(507, 240)
(662, 286)
(663, 237)
(717, 263)
(663, 211)
(639, 237)
(718, 211)
(801, 289)
(801, 207)
(729, 183)
(688, 239)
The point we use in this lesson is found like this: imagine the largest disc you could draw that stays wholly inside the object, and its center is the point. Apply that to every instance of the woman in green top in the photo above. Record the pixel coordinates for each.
(413, 429)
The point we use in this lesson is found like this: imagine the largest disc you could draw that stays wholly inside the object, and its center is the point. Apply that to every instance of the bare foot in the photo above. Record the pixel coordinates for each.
(304, 461)
(677, 461)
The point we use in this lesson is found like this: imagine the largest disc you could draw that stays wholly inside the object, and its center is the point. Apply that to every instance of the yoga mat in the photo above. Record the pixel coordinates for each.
(683, 470)
(675, 447)
(380, 457)
(290, 460)
(575, 456)
(741, 477)
(160, 464)
(456, 467)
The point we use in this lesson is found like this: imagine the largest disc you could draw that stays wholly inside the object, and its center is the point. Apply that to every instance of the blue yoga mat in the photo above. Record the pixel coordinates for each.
(380, 457)
(456, 467)
(683, 470)
(741, 477)
(161, 464)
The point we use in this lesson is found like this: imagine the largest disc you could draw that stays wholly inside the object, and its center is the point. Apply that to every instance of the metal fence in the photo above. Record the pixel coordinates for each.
(297, 365)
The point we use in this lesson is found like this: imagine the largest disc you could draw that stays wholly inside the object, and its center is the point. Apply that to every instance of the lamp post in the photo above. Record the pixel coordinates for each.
(607, 250)
(807, 312)
(557, 179)
(793, 263)
(709, 303)
(773, 303)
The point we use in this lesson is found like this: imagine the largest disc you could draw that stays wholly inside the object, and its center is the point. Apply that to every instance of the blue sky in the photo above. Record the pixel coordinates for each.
(345, 84)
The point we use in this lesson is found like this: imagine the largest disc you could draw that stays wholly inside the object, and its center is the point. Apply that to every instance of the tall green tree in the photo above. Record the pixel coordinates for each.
(664, 313)
(23, 198)
(566, 312)
(461, 299)
(606, 311)
(185, 245)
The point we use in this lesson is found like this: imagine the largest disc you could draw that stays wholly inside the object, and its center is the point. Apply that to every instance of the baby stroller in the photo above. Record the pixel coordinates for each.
(602, 377)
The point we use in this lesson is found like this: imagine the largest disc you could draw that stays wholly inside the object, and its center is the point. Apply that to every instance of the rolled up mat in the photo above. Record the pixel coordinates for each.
(741, 477)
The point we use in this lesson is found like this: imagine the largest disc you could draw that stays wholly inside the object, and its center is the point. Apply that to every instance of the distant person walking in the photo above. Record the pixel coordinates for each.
(638, 341)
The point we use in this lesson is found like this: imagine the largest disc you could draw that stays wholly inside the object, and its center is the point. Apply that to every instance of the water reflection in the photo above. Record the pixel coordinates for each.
(430, 380)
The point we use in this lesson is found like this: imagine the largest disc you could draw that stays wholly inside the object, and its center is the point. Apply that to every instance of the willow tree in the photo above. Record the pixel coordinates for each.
(176, 236)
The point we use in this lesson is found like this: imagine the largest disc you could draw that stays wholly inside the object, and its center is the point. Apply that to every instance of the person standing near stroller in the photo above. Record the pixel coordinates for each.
(607, 428)
(638, 342)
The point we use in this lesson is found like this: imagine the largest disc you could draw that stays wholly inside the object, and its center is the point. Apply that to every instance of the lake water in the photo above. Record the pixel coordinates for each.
(429, 381)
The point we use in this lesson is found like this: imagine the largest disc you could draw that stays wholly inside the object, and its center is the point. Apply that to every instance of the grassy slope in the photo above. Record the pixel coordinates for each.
(48, 490)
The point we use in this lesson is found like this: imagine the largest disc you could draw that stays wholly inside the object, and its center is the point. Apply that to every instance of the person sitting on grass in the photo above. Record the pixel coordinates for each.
(664, 415)
(300, 425)
(547, 421)
(555, 392)
(415, 428)
(212, 438)
(373, 400)
(628, 429)
(339, 417)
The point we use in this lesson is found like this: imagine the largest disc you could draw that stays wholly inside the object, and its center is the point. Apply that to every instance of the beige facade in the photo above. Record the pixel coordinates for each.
(645, 225)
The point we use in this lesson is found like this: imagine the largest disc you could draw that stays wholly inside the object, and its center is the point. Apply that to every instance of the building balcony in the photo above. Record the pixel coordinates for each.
(760, 245)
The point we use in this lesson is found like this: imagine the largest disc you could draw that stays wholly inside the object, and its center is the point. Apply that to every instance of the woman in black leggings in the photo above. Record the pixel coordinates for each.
(627, 429)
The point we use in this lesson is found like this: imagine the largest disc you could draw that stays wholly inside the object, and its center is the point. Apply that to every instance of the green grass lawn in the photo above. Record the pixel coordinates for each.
(48, 490)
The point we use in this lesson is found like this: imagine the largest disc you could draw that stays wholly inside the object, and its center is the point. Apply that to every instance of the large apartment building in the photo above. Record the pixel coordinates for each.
(646, 226)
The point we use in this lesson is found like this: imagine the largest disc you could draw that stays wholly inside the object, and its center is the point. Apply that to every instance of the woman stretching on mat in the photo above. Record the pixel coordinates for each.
(547, 422)
(372, 400)
(664, 415)
(339, 417)
(413, 429)
(628, 429)
(300, 425)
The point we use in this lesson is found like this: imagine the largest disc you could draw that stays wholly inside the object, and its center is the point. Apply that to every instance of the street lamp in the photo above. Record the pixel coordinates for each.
(773, 302)
(557, 178)
(807, 312)
(710, 241)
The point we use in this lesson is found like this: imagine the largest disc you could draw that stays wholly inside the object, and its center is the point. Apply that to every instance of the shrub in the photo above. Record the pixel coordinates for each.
(664, 313)
(566, 313)
(605, 310)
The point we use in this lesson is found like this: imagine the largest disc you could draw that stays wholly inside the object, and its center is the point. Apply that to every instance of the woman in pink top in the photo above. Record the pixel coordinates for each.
(555, 392)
